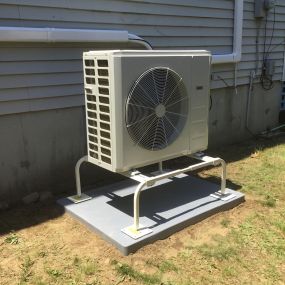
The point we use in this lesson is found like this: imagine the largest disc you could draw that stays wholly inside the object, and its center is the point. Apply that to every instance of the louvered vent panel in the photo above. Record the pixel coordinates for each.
(97, 98)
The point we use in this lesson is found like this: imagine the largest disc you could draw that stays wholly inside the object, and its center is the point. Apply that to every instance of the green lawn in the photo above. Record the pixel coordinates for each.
(245, 245)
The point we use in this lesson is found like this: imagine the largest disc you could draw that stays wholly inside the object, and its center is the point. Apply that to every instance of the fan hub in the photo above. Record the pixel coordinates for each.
(160, 110)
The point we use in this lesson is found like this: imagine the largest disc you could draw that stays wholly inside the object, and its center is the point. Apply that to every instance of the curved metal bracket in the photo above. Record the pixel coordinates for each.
(136, 230)
(79, 197)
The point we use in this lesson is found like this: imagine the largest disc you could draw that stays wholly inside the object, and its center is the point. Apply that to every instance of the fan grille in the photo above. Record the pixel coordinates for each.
(156, 108)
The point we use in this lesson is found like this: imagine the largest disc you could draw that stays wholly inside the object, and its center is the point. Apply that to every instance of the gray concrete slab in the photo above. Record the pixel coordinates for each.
(166, 208)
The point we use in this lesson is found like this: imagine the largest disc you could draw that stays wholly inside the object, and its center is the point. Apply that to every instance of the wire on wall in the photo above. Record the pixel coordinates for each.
(211, 102)
(266, 79)
(277, 45)
(223, 80)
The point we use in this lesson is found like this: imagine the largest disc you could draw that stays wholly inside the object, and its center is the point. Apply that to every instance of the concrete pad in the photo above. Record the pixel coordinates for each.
(165, 208)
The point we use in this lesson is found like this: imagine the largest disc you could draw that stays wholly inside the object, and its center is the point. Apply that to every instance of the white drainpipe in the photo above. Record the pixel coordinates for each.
(235, 56)
(51, 35)
(20, 34)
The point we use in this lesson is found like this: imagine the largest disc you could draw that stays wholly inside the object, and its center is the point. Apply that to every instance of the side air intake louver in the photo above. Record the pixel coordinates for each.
(97, 97)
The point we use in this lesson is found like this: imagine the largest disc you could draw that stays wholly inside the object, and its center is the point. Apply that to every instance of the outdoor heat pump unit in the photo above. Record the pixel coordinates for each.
(144, 107)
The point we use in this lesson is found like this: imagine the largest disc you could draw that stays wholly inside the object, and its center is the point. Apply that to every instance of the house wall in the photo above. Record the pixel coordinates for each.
(41, 92)
(227, 123)
(39, 150)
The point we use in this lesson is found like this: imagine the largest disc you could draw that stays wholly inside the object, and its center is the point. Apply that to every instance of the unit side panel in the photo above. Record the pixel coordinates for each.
(118, 101)
(97, 83)
(199, 112)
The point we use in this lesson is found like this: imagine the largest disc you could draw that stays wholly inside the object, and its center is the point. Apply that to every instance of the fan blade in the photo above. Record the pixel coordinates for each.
(177, 114)
(178, 83)
(140, 120)
(141, 106)
(172, 125)
(164, 86)
(145, 132)
(182, 99)
(147, 95)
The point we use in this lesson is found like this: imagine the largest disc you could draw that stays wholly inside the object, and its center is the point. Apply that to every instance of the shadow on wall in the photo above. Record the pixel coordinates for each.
(39, 151)
(227, 118)
(23, 216)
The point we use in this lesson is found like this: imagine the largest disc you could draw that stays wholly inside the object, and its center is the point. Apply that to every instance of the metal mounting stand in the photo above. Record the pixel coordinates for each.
(137, 230)
(79, 197)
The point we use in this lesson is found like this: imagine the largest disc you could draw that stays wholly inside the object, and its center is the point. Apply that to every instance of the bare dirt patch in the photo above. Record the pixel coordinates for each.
(42, 245)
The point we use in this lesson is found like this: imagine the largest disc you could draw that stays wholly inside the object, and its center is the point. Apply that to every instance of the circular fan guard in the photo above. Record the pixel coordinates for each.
(156, 108)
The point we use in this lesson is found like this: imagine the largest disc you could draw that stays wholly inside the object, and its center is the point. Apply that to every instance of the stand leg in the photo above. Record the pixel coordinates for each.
(223, 177)
(137, 206)
(137, 230)
(222, 194)
(160, 167)
(77, 174)
(79, 197)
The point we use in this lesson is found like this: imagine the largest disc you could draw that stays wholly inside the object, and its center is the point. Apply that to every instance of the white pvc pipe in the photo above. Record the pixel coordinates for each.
(52, 35)
(19, 34)
(235, 56)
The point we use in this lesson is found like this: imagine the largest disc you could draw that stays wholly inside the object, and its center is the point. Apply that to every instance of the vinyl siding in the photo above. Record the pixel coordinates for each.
(47, 76)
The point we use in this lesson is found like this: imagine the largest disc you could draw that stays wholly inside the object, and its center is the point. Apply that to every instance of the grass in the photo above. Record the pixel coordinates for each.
(245, 245)
(54, 273)
(249, 236)
(266, 175)
(221, 251)
(12, 238)
(163, 266)
(280, 224)
(166, 266)
(225, 222)
(269, 201)
(127, 270)
(89, 268)
(26, 270)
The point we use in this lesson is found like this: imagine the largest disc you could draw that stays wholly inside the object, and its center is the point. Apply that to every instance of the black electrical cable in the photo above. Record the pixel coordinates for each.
(265, 35)
(266, 79)
(277, 45)
(222, 79)
(211, 102)
(272, 34)
(142, 40)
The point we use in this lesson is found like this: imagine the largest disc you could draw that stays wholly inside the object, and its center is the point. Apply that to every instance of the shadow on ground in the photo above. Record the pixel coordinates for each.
(26, 216)
(235, 152)
(230, 153)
